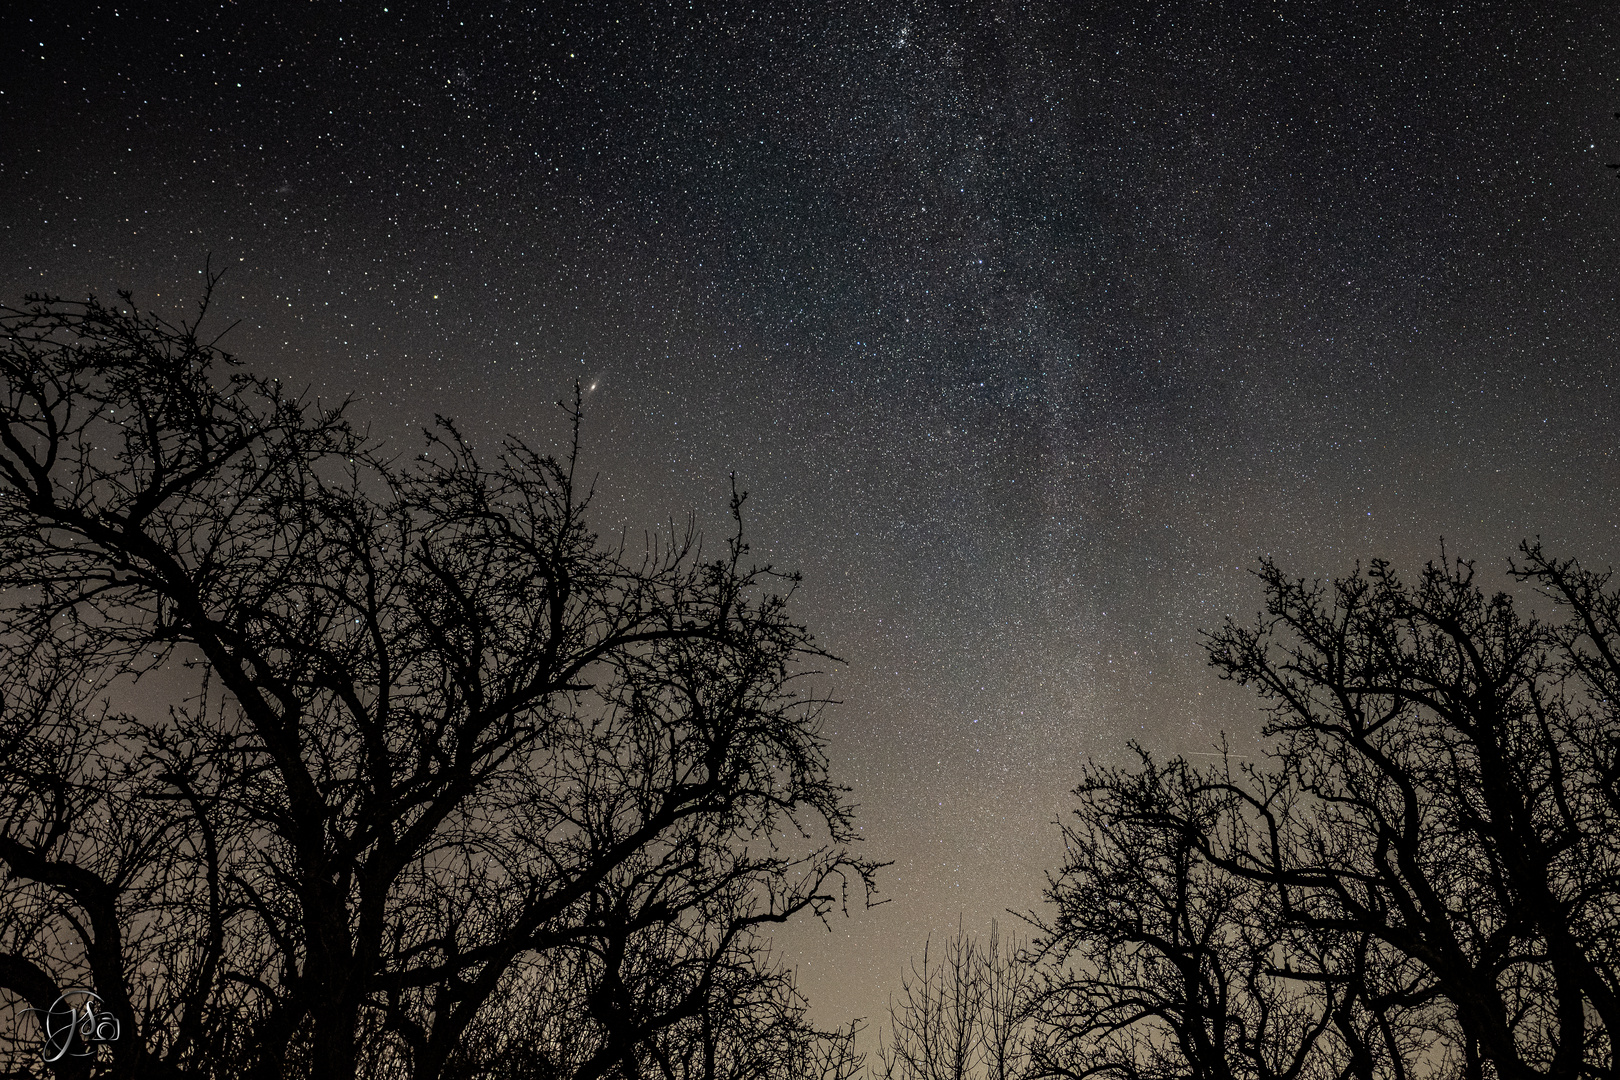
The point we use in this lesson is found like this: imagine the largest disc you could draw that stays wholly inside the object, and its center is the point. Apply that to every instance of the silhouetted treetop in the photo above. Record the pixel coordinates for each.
(440, 748)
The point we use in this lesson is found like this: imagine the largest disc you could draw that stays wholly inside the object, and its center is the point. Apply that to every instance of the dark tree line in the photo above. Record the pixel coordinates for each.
(1419, 878)
(960, 1013)
(451, 788)
(447, 787)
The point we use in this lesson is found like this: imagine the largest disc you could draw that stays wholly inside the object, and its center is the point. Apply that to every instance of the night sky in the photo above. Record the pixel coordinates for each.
(1029, 328)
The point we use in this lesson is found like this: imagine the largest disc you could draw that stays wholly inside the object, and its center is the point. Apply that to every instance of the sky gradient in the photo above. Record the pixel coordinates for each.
(1027, 327)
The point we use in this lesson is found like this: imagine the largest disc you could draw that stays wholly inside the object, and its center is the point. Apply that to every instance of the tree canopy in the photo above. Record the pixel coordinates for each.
(453, 786)
(1420, 878)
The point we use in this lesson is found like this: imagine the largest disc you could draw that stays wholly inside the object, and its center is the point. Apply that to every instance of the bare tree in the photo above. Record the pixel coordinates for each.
(738, 1015)
(1158, 962)
(109, 869)
(437, 739)
(1442, 786)
(963, 1017)
(1420, 877)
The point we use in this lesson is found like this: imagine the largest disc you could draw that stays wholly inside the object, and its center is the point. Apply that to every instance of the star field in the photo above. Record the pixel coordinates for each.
(1029, 327)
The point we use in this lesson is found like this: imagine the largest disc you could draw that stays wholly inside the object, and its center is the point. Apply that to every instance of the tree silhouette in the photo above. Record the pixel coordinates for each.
(1159, 962)
(1443, 784)
(962, 1018)
(438, 749)
(1421, 877)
